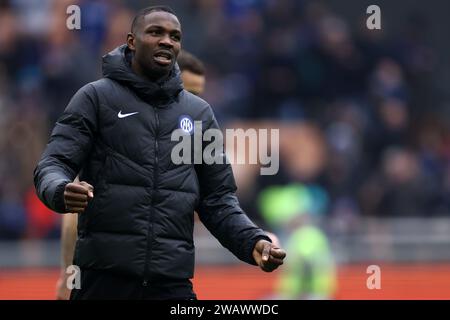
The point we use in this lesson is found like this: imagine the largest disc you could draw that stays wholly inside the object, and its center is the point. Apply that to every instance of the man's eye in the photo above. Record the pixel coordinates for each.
(154, 32)
(176, 37)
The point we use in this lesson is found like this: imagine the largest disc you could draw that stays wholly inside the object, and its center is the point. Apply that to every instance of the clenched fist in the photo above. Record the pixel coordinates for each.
(268, 256)
(77, 195)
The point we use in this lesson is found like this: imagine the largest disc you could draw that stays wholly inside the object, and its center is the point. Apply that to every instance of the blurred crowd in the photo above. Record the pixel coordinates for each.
(361, 123)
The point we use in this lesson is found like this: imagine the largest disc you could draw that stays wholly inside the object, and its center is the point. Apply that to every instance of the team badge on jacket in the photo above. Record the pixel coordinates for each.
(186, 124)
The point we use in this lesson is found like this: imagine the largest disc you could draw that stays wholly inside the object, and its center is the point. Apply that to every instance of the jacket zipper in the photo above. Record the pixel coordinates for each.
(150, 217)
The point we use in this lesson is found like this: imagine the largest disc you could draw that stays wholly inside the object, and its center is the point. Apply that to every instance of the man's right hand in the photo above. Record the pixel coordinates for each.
(77, 195)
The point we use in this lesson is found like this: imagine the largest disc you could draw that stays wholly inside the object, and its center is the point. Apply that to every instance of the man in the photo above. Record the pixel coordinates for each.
(192, 72)
(135, 205)
(193, 77)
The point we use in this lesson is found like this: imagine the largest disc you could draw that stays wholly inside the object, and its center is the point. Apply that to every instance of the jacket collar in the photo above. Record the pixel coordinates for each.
(116, 66)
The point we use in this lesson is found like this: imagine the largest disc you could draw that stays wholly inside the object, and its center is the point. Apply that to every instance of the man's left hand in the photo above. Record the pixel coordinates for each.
(62, 291)
(268, 256)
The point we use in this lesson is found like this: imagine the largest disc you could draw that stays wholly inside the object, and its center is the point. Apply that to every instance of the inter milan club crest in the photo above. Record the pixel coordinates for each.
(186, 124)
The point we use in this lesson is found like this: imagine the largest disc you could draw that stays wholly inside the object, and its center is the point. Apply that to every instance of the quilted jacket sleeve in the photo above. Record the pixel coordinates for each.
(67, 149)
(219, 208)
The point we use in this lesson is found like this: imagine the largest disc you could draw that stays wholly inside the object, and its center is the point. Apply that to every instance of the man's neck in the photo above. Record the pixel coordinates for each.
(147, 75)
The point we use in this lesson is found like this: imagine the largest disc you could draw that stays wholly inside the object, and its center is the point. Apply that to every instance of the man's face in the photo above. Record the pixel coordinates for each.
(194, 83)
(156, 43)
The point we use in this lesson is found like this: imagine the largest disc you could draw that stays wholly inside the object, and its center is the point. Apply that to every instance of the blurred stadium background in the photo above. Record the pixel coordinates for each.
(364, 137)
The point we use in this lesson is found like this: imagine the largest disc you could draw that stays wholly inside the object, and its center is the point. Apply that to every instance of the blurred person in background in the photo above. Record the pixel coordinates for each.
(143, 72)
(407, 191)
(192, 72)
(310, 271)
(193, 76)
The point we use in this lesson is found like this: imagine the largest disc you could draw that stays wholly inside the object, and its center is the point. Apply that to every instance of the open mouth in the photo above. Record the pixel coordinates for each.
(163, 58)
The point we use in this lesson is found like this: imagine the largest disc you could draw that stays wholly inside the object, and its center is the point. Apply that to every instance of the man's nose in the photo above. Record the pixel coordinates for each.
(166, 41)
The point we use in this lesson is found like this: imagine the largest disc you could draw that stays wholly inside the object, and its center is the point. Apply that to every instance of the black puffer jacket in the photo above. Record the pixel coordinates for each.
(140, 221)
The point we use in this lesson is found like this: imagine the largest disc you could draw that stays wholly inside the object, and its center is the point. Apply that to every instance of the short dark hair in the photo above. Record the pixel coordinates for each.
(143, 12)
(187, 61)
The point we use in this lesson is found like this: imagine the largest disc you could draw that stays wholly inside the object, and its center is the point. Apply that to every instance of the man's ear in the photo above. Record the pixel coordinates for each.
(130, 41)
